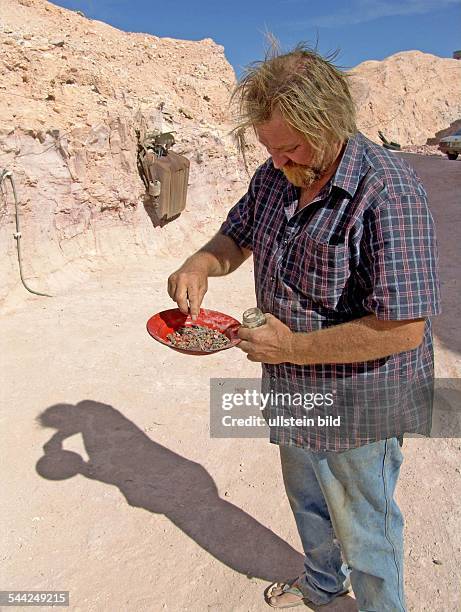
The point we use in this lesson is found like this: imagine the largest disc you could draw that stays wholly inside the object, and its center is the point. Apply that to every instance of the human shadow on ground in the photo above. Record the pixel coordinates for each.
(159, 480)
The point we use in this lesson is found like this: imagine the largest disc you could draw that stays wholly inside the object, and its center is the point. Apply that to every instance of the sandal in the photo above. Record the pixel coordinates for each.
(279, 588)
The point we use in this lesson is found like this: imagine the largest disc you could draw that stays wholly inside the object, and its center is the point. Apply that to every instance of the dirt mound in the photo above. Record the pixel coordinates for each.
(409, 96)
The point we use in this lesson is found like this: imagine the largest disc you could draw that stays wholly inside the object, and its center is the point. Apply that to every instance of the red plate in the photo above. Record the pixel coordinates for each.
(168, 321)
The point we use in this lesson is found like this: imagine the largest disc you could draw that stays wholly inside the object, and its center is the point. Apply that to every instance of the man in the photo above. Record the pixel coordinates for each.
(345, 270)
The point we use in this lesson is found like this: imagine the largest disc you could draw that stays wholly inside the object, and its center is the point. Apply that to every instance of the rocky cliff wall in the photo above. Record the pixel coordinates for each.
(73, 92)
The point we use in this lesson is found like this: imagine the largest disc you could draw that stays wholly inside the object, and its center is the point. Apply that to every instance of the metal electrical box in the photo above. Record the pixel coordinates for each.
(168, 177)
(165, 174)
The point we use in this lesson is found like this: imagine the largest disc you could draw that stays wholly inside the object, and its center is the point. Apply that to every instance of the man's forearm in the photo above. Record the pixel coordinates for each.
(220, 256)
(363, 339)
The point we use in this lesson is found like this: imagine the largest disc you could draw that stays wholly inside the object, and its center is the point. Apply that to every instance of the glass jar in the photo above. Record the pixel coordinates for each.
(253, 317)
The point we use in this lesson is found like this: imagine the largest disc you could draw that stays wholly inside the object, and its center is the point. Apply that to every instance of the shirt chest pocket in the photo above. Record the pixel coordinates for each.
(316, 270)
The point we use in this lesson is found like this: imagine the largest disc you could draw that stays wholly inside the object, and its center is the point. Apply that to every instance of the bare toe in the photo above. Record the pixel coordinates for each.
(284, 599)
(281, 595)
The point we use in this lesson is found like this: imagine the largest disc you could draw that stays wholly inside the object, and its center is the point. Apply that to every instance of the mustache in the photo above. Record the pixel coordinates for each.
(301, 175)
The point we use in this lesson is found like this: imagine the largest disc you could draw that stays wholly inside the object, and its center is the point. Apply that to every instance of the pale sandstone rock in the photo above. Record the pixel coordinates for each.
(409, 96)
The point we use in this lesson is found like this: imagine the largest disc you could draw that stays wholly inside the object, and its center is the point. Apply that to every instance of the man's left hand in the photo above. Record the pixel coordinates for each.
(270, 343)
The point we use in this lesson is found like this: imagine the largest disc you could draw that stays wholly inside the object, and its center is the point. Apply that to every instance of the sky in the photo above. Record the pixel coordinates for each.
(360, 29)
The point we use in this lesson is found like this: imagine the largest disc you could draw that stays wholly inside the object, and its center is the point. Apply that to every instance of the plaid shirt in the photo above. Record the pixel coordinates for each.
(366, 244)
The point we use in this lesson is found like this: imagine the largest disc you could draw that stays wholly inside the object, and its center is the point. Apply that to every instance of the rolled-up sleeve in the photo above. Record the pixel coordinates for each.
(239, 224)
(401, 253)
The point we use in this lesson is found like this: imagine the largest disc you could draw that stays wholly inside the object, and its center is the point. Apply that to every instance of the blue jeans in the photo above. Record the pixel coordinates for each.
(350, 526)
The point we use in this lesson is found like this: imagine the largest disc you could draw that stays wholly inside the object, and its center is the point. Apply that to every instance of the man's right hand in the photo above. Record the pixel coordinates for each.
(187, 287)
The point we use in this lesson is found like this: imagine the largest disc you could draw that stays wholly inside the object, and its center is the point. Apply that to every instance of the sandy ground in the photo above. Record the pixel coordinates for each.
(145, 512)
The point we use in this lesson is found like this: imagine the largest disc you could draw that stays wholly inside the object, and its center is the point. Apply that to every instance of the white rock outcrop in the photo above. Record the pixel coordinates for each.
(409, 96)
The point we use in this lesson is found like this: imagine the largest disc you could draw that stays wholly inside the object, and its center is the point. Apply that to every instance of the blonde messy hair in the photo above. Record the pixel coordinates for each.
(311, 94)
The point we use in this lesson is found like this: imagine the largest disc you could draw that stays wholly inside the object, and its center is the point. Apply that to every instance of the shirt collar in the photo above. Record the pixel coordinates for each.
(347, 176)
(351, 167)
